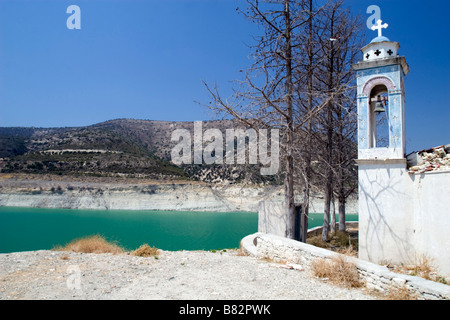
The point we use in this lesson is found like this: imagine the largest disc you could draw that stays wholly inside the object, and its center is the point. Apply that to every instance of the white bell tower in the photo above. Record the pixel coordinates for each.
(382, 173)
(381, 99)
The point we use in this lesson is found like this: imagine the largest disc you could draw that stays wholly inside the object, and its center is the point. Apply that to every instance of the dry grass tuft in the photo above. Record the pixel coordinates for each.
(145, 251)
(337, 270)
(92, 244)
(399, 293)
(424, 267)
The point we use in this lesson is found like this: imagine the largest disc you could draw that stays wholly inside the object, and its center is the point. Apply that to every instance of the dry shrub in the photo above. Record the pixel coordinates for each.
(424, 267)
(338, 241)
(344, 239)
(145, 251)
(349, 251)
(399, 293)
(317, 241)
(92, 244)
(337, 270)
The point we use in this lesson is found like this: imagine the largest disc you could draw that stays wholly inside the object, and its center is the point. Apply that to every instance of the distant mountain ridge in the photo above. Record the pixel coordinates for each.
(123, 147)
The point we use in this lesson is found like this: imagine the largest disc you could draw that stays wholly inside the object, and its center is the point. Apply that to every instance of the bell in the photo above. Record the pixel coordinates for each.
(379, 107)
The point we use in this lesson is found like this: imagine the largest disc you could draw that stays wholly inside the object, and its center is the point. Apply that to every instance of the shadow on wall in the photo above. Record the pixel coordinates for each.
(383, 213)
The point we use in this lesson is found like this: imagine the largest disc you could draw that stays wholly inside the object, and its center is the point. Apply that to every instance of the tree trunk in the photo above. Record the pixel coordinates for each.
(333, 215)
(308, 144)
(328, 192)
(289, 179)
(330, 128)
(329, 177)
(341, 213)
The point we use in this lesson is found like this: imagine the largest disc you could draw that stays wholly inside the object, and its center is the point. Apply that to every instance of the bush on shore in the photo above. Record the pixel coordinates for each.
(145, 251)
(92, 244)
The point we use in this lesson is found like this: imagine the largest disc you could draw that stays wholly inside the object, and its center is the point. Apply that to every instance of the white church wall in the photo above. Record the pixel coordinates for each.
(403, 217)
(431, 202)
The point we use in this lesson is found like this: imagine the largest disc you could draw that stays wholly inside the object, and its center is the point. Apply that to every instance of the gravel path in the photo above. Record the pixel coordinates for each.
(173, 276)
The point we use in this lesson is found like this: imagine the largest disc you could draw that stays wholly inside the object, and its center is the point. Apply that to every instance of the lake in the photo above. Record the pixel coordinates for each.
(24, 229)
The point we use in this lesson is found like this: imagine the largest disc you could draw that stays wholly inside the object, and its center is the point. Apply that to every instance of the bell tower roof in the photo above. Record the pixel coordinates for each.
(380, 39)
(380, 47)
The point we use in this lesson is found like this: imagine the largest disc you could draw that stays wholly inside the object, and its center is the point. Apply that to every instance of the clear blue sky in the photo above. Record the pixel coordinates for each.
(145, 59)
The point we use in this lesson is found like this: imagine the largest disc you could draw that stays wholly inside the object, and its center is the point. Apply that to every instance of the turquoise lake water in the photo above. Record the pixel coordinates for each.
(24, 229)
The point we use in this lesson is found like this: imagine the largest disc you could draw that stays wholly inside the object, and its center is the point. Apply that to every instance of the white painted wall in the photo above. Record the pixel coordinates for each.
(272, 218)
(431, 201)
(403, 216)
(385, 228)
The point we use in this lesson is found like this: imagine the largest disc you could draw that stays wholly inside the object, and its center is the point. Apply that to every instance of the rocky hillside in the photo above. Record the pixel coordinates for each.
(121, 147)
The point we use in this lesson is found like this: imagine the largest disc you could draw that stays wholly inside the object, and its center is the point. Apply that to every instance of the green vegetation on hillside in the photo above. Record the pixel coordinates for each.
(121, 147)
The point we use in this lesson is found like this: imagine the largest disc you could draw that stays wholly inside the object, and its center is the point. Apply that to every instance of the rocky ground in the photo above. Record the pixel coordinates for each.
(171, 276)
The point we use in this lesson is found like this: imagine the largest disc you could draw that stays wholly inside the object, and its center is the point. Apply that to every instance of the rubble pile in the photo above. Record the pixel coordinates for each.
(435, 159)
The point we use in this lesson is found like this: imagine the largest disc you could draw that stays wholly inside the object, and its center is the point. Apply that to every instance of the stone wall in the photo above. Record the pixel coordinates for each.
(377, 277)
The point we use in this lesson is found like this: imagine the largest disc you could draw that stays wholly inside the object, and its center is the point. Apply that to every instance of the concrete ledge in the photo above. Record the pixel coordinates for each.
(262, 245)
(248, 244)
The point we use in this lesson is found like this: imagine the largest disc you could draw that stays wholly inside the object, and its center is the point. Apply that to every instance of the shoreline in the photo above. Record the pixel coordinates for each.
(140, 194)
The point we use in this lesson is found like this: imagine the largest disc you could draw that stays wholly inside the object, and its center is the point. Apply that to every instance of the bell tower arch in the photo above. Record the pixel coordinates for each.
(377, 90)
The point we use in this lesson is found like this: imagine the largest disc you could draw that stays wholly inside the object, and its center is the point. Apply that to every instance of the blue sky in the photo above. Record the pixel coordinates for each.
(146, 59)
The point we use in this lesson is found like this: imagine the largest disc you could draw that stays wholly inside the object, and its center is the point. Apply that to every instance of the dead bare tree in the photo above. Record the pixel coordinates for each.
(340, 45)
(306, 107)
(265, 98)
(284, 88)
(268, 95)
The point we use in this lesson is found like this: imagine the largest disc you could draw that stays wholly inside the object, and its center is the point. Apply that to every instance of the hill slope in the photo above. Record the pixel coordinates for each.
(121, 147)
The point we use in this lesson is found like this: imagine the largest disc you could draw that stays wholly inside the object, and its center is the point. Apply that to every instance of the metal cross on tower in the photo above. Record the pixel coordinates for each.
(379, 27)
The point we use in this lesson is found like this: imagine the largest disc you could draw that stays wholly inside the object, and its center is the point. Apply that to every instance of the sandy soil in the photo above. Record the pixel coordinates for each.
(172, 276)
